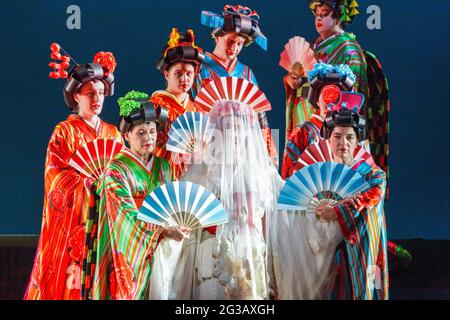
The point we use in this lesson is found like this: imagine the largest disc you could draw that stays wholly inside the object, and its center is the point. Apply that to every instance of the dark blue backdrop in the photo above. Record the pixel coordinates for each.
(412, 45)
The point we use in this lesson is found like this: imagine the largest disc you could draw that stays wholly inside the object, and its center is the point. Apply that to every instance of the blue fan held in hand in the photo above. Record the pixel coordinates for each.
(323, 183)
(189, 133)
(184, 204)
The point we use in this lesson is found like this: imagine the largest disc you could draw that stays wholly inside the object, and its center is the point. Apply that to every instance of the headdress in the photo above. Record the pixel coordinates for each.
(239, 19)
(136, 108)
(180, 48)
(345, 10)
(326, 75)
(101, 68)
(344, 118)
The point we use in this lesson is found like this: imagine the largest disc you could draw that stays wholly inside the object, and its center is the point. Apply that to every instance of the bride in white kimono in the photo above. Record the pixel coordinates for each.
(230, 261)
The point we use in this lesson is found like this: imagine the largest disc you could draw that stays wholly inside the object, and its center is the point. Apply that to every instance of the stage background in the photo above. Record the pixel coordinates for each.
(412, 46)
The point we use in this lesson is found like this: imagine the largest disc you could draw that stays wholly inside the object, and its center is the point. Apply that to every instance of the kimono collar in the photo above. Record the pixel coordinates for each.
(95, 127)
(168, 94)
(220, 63)
(133, 157)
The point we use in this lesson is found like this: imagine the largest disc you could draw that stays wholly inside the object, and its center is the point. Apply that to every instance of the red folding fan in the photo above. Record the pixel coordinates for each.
(92, 159)
(232, 88)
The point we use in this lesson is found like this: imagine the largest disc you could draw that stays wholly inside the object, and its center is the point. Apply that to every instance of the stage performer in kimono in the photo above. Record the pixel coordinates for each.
(234, 28)
(335, 45)
(56, 272)
(230, 262)
(179, 63)
(125, 245)
(349, 261)
(327, 84)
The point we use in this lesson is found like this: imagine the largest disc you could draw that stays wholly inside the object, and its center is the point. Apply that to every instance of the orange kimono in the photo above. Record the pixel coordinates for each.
(56, 272)
(169, 101)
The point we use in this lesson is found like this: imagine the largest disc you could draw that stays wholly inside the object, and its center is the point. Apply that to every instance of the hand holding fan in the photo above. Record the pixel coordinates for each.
(190, 132)
(232, 88)
(184, 204)
(92, 159)
(324, 183)
(297, 57)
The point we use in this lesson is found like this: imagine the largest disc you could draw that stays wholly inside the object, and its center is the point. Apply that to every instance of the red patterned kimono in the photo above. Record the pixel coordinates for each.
(169, 101)
(56, 273)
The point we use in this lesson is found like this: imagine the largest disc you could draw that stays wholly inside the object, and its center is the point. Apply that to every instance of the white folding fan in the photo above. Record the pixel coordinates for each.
(184, 204)
(92, 158)
(297, 56)
(318, 184)
(321, 152)
(191, 131)
(232, 88)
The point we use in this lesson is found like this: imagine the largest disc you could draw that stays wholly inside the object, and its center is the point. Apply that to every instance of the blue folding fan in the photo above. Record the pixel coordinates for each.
(190, 132)
(184, 204)
(319, 184)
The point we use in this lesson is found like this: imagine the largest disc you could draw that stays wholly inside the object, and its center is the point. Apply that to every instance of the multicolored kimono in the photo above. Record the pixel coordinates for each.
(175, 108)
(125, 245)
(298, 108)
(56, 271)
(337, 49)
(344, 49)
(362, 257)
(212, 68)
(300, 138)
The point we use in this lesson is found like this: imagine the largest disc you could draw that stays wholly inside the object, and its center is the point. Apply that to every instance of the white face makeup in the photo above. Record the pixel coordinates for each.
(324, 21)
(142, 139)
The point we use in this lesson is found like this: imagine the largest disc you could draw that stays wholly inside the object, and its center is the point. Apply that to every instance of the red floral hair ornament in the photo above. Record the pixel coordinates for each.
(61, 63)
(106, 60)
(331, 94)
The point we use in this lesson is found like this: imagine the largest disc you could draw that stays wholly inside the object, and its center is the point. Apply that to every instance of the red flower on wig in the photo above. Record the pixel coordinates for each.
(106, 59)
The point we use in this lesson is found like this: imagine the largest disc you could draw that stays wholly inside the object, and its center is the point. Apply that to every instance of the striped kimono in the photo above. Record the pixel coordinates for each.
(212, 68)
(125, 245)
(344, 49)
(362, 257)
(337, 49)
(56, 273)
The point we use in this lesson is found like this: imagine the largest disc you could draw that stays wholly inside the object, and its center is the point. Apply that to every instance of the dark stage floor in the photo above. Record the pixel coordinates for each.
(428, 276)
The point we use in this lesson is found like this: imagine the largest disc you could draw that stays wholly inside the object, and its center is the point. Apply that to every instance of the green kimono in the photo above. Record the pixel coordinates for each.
(119, 261)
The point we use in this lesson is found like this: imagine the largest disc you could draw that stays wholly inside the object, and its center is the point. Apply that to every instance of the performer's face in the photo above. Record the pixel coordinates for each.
(324, 19)
(180, 77)
(230, 44)
(343, 142)
(142, 138)
(90, 98)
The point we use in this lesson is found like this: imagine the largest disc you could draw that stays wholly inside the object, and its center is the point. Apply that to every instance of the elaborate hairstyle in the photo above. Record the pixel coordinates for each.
(136, 108)
(344, 118)
(101, 68)
(239, 19)
(323, 75)
(83, 73)
(344, 10)
(180, 48)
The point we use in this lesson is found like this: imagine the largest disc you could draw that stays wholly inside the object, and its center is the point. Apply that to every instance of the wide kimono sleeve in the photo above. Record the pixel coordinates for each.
(363, 256)
(129, 241)
(298, 108)
(352, 220)
(354, 57)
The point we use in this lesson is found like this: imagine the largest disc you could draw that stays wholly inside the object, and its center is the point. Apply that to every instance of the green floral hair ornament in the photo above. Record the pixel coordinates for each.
(130, 102)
